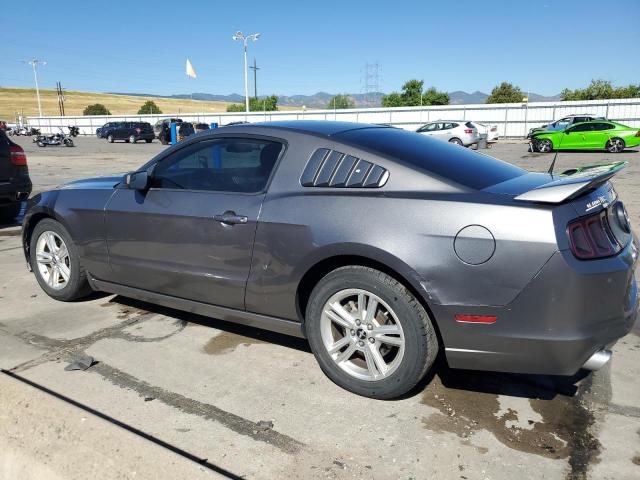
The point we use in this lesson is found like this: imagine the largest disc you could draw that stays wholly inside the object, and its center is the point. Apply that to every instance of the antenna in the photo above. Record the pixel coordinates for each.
(553, 162)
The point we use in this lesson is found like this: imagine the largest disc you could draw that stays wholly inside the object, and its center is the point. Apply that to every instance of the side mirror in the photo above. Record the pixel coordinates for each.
(567, 132)
(138, 180)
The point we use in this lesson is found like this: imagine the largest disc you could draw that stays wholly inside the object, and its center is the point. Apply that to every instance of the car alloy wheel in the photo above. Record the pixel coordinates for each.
(544, 146)
(456, 141)
(615, 145)
(54, 263)
(362, 334)
(110, 139)
(132, 139)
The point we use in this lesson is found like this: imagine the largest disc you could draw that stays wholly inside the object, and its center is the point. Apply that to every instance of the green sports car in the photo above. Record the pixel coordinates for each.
(594, 135)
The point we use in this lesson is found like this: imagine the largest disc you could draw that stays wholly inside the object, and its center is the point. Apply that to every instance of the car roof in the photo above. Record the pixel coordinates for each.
(315, 127)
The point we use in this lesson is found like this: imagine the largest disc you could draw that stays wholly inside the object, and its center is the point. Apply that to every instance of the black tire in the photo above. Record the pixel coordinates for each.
(615, 145)
(421, 344)
(8, 213)
(163, 140)
(110, 138)
(456, 141)
(77, 286)
(148, 140)
(544, 146)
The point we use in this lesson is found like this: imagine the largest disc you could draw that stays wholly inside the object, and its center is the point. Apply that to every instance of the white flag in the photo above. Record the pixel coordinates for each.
(190, 71)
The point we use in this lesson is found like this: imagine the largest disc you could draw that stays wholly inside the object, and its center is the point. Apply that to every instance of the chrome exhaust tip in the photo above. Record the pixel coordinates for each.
(597, 360)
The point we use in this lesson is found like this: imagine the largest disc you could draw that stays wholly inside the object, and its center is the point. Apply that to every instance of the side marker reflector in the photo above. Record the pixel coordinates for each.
(476, 318)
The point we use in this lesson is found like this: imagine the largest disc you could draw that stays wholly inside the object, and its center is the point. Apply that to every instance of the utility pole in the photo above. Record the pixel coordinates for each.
(255, 78)
(34, 64)
(60, 98)
(245, 38)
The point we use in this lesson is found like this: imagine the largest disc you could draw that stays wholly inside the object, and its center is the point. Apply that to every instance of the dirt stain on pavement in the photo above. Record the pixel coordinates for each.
(10, 233)
(471, 404)
(227, 342)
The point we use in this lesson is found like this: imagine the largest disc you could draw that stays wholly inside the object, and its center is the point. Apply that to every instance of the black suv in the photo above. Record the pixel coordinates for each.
(130, 132)
(15, 184)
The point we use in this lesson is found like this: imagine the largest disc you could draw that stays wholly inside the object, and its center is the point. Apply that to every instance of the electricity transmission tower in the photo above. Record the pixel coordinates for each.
(370, 82)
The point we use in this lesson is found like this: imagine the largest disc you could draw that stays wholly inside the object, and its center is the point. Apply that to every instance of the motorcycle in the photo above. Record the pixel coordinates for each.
(73, 131)
(54, 140)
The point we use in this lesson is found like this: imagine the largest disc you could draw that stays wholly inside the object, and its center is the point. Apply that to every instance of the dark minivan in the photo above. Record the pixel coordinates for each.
(130, 132)
(15, 184)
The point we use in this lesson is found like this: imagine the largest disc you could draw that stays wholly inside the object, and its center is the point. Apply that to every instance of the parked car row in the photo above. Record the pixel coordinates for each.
(132, 132)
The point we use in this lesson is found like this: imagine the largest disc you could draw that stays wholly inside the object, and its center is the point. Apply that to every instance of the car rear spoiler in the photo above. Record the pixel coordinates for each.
(572, 183)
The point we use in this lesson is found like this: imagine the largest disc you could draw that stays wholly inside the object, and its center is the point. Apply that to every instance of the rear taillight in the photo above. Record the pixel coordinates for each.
(138, 130)
(494, 129)
(17, 155)
(468, 131)
(591, 237)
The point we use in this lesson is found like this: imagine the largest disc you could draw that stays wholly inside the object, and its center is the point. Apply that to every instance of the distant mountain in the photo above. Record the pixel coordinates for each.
(322, 99)
(461, 98)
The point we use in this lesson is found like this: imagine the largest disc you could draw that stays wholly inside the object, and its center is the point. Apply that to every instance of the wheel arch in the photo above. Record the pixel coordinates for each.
(30, 223)
(391, 266)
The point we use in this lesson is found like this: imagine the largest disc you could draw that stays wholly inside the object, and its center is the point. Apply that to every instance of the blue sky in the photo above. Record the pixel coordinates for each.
(306, 47)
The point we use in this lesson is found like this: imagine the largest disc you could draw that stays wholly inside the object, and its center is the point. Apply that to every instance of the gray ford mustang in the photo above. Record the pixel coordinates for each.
(382, 247)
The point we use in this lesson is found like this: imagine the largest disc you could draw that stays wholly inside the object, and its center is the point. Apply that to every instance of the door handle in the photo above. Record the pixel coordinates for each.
(230, 218)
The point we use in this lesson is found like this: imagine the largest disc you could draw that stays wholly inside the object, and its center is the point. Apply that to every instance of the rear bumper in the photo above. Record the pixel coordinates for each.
(569, 311)
(15, 190)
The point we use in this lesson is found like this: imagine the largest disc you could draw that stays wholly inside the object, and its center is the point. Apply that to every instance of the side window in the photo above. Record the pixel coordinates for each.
(602, 126)
(429, 127)
(228, 165)
(447, 126)
(583, 127)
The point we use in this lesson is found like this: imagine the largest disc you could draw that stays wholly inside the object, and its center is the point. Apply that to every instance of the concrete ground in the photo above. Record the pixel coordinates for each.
(201, 387)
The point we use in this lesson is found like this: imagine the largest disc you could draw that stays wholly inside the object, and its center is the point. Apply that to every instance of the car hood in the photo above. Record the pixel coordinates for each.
(96, 183)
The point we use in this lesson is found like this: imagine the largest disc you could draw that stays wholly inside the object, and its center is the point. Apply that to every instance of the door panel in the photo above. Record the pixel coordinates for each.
(167, 241)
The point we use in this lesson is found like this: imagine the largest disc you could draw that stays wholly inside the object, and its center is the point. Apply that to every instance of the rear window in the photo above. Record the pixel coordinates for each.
(460, 165)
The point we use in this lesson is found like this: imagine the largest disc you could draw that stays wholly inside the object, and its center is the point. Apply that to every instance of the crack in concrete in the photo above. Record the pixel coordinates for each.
(207, 411)
(66, 349)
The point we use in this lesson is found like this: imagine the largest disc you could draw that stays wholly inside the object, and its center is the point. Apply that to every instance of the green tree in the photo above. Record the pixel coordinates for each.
(96, 109)
(435, 97)
(505, 93)
(268, 104)
(341, 102)
(149, 107)
(412, 96)
(601, 90)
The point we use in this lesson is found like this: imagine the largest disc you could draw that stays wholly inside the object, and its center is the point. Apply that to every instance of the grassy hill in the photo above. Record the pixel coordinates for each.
(23, 100)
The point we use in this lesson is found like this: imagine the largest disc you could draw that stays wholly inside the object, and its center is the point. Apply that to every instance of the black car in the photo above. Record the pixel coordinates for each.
(130, 132)
(202, 127)
(15, 184)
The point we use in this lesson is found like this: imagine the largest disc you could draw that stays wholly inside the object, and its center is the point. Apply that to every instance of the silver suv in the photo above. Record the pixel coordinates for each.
(452, 131)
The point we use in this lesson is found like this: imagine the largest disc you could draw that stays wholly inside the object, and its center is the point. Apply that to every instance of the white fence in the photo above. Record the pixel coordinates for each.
(513, 119)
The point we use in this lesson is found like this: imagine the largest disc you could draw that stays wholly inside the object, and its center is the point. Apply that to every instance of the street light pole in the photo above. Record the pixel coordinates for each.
(34, 63)
(245, 39)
